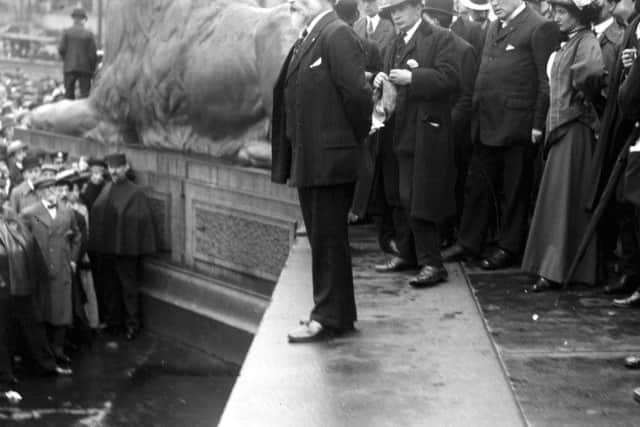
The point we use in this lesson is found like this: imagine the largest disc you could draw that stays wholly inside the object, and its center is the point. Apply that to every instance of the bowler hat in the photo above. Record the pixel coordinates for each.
(96, 162)
(115, 160)
(385, 9)
(79, 13)
(30, 162)
(476, 4)
(442, 6)
(42, 183)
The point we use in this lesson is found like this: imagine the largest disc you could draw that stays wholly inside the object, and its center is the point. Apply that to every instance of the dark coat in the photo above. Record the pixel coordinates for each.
(614, 127)
(610, 41)
(421, 125)
(15, 173)
(383, 35)
(59, 240)
(512, 91)
(78, 50)
(90, 193)
(461, 112)
(326, 112)
(121, 222)
(471, 32)
(629, 93)
(22, 197)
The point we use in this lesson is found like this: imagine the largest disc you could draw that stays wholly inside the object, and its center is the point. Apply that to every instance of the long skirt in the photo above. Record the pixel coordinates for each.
(560, 218)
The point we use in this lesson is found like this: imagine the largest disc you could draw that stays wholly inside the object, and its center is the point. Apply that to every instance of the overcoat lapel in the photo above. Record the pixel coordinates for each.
(310, 41)
(42, 216)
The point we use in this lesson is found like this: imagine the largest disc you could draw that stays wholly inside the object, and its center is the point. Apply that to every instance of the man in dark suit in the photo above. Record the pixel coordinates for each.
(440, 12)
(373, 27)
(510, 105)
(24, 194)
(321, 114)
(424, 66)
(80, 56)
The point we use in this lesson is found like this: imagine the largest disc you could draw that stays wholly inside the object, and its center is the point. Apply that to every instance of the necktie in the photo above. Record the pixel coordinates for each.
(370, 29)
(297, 44)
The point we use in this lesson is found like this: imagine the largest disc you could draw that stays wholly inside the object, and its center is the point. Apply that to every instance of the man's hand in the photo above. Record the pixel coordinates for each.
(400, 77)
(380, 78)
(536, 135)
(628, 56)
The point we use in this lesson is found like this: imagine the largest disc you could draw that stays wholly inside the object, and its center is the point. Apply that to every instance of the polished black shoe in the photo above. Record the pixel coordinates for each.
(395, 264)
(622, 285)
(429, 276)
(455, 253)
(498, 260)
(308, 332)
(131, 333)
(390, 247)
(631, 301)
(543, 285)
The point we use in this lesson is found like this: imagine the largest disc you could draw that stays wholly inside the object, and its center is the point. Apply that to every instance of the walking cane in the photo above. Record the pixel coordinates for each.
(602, 204)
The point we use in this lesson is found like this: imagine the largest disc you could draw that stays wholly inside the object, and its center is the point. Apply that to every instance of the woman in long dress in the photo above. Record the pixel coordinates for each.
(576, 75)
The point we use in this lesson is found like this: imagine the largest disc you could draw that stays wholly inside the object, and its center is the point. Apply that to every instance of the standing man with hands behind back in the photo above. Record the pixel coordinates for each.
(322, 112)
(510, 105)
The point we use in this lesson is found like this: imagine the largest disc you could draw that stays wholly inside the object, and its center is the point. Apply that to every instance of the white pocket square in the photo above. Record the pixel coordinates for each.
(317, 63)
(510, 47)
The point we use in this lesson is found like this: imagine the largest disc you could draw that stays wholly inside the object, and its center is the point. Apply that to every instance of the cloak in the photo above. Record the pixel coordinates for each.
(121, 221)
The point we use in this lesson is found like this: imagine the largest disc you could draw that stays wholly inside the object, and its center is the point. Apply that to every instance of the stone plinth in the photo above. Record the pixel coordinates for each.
(225, 233)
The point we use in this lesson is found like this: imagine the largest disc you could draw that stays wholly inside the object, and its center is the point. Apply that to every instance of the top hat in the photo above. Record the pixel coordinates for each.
(442, 6)
(79, 13)
(476, 4)
(115, 160)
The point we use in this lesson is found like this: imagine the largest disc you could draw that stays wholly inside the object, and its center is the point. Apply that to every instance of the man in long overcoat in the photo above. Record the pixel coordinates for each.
(322, 113)
(122, 232)
(424, 66)
(510, 105)
(54, 228)
(80, 56)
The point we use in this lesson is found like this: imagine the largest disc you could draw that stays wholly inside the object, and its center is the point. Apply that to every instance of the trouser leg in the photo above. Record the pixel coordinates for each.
(325, 212)
(6, 365)
(70, 85)
(112, 291)
(516, 184)
(481, 203)
(84, 81)
(427, 242)
(127, 270)
(33, 334)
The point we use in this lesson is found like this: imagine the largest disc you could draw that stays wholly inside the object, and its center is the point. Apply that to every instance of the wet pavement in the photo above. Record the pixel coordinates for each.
(563, 351)
(147, 382)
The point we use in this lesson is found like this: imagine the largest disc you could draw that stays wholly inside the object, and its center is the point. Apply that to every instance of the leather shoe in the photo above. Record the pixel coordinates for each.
(622, 285)
(455, 253)
(390, 247)
(394, 264)
(543, 285)
(311, 331)
(499, 259)
(429, 276)
(631, 301)
(632, 362)
(131, 333)
(63, 372)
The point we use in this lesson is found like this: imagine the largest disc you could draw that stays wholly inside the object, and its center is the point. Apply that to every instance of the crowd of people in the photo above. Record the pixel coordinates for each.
(499, 132)
(72, 234)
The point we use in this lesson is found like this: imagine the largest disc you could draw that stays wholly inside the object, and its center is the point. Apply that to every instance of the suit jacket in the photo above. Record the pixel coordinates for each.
(321, 99)
(614, 127)
(59, 240)
(78, 50)
(629, 93)
(421, 125)
(512, 91)
(22, 197)
(468, 60)
(471, 32)
(383, 35)
(610, 41)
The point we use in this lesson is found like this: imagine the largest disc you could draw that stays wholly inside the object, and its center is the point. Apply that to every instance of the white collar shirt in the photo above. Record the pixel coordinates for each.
(314, 22)
(52, 209)
(514, 15)
(602, 27)
(409, 34)
(372, 22)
